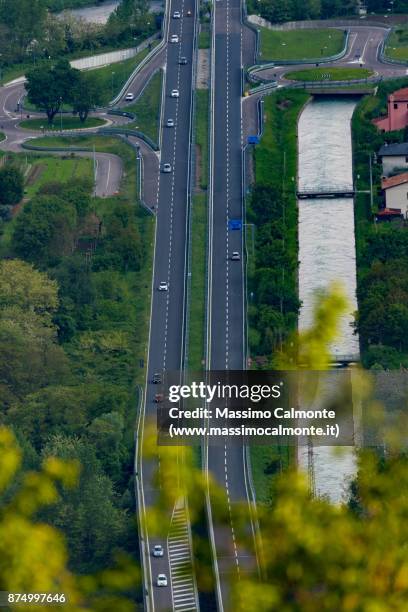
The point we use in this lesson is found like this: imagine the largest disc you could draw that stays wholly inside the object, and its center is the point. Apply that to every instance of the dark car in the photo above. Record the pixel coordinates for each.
(183, 61)
(157, 378)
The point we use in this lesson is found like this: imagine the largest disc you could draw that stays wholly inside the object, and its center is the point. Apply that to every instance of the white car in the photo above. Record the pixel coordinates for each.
(175, 93)
(129, 97)
(235, 256)
(176, 15)
(158, 551)
(161, 580)
(174, 38)
(170, 123)
(164, 286)
(166, 168)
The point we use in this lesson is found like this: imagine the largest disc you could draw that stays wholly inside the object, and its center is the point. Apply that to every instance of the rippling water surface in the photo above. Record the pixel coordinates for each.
(327, 249)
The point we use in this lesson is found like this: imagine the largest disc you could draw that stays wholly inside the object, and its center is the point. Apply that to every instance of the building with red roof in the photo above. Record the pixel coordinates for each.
(395, 189)
(397, 117)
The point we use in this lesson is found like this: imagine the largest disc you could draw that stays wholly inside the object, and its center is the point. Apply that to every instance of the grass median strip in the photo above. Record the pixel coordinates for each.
(300, 44)
(329, 74)
(199, 236)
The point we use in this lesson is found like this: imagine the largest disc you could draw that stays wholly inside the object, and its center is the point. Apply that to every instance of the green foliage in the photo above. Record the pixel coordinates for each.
(272, 285)
(45, 230)
(85, 95)
(70, 350)
(48, 86)
(11, 185)
(147, 108)
(382, 249)
(295, 10)
(329, 74)
(397, 43)
(130, 19)
(384, 6)
(121, 242)
(30, 357)
(20, 23)
(96, 526)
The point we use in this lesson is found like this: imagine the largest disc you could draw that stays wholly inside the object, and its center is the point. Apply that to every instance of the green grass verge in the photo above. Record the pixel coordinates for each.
(2, 136)
(267, 463)
(147, 108)
(67, 123)
(329, 74)
(275, 160)
(300, 44)
(204, 40)
(56, 169)
(112, 78)
(397, 47)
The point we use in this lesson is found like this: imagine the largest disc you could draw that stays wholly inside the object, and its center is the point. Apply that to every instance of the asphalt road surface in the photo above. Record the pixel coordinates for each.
(166, 342)
(226, 322)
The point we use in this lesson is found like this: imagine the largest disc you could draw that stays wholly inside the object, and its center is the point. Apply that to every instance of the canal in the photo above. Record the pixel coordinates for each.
(327, 250)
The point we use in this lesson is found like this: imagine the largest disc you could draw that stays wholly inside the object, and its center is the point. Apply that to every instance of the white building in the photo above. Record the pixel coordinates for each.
(394, 157)
(396, 192)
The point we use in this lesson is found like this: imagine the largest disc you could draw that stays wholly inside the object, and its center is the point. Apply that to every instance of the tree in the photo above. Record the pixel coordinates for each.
(45, 230)
(86, 95)
(24, 21)
(49, 86)
(33, 554)
(22, 286)
(11, 185)
(87, 515)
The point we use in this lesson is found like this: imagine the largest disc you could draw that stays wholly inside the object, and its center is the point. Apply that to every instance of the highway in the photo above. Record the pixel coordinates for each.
(166, 340)
(226, 294)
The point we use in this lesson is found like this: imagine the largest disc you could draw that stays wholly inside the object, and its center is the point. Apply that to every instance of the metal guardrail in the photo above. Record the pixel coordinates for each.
(262, 65)
(123, 113)
(129, 132)
(147, 59)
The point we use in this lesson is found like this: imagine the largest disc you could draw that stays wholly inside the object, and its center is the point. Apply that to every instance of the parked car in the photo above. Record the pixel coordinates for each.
(170, 123)
(166, 168)
(129, 97)
(174, 38)
(161, 580)
(163, 286)
(175, 93)
(158, 551)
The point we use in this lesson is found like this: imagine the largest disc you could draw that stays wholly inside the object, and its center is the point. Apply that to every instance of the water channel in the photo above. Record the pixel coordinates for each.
(327, 250)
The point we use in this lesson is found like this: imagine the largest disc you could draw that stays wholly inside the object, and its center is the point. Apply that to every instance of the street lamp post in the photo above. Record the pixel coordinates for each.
(113, 74)
(61, 114)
